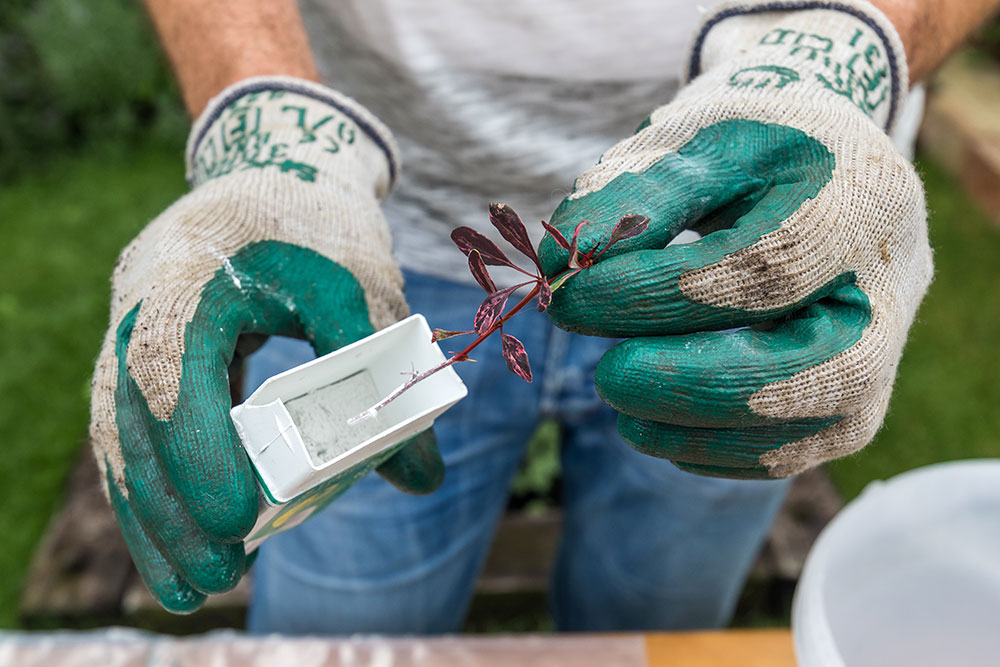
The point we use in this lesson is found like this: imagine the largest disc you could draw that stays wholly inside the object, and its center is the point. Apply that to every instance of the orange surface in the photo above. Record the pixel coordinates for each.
(730, 648)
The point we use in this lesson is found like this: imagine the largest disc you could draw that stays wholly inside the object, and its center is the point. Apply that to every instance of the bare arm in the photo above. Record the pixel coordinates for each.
(931, 29)
(214, 43)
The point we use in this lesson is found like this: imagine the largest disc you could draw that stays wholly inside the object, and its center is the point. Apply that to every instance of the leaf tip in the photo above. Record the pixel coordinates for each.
(556, 235)
(516, 357)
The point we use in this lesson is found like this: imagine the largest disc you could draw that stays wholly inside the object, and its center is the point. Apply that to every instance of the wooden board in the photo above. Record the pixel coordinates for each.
(961, 127)
(81, 574)
(729, 648)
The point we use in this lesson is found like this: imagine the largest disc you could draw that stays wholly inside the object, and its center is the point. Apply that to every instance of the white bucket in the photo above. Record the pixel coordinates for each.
(907, 574)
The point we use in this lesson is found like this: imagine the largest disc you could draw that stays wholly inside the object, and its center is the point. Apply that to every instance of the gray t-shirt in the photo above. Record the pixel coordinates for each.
(496, 101)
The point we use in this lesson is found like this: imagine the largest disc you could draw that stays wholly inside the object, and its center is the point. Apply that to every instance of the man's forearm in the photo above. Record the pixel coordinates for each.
(213, 43)
(931, 29)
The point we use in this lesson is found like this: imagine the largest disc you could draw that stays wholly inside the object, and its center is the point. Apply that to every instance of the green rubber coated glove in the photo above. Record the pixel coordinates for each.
(814, 234)
(282, 234)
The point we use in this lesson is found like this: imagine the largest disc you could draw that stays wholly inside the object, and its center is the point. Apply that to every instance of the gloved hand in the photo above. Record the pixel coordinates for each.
(815, 228)
(282, 234)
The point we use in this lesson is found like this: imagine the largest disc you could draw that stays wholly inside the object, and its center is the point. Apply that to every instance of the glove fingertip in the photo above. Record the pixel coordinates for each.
(231, 524)
(176, 596)
(723, 471)
(228, 517)
(417, 468)
(220, 571)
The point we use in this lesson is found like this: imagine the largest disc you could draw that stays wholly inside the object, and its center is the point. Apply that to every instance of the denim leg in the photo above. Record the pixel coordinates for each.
(378, 560)
(645, 545)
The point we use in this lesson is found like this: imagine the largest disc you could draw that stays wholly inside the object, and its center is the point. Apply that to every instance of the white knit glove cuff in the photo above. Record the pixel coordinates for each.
(845, 50)
(293, 126)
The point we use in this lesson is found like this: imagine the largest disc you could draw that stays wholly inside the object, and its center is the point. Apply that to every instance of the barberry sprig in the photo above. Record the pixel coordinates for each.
(490, 317)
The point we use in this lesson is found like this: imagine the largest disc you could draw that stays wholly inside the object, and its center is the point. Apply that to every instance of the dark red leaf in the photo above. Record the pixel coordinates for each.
(468, 239)
(557, 235)
(509, 224)
(516, 357)
(441, 334)
(544, 296)
(478, 269)
(492, 308)
(574, 255)
(630, 225)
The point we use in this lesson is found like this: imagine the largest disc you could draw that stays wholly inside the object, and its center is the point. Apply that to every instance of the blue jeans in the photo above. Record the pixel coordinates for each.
(644, 545)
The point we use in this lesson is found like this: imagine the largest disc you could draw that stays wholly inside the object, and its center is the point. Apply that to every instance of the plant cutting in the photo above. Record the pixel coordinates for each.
(490, 317)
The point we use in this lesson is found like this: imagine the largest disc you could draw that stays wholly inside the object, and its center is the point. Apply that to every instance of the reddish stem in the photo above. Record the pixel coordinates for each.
(461, 356)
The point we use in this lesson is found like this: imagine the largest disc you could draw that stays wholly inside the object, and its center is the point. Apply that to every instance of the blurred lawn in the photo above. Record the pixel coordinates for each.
(63, 227)
(61, 230)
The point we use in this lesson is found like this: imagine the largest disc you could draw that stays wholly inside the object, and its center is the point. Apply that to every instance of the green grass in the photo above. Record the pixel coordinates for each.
(61, 230)
(946, 403)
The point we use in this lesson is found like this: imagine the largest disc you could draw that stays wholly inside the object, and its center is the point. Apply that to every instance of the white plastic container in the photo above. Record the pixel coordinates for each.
(294, 426)
(907, 574)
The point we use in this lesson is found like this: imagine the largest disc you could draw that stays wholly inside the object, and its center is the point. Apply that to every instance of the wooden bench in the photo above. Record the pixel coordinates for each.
(81, 574)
